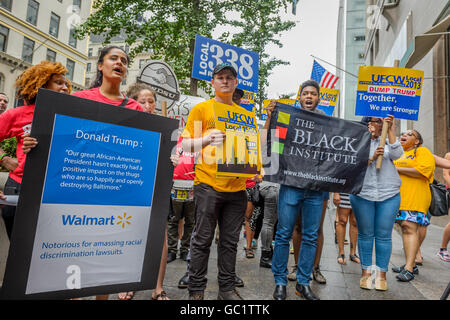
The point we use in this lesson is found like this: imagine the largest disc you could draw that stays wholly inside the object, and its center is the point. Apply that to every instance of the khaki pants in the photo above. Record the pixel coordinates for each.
(180, 210)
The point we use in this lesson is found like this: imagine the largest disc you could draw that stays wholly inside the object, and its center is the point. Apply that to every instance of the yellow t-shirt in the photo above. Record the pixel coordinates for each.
(415, 192)
(199, 123)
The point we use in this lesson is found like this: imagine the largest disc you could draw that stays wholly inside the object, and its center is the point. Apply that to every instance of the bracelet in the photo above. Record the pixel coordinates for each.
(2, 156)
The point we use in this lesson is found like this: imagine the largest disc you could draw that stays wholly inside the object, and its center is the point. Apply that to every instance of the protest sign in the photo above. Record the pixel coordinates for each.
(161, 78)
(248, 100)
(240, 154)
(290, 102)
(384, 91)
(208, 53)
(316, 152)
(328, 99)
(181, 108)
(93, 206)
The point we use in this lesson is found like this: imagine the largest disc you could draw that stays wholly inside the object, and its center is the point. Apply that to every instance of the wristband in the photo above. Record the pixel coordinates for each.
(2, 156)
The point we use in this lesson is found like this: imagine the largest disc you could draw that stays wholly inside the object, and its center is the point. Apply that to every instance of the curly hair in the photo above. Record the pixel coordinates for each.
(136, 88)
(29, 82)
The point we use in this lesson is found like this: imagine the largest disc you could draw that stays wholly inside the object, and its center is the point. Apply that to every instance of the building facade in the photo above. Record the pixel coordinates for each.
(35, 30)
(350, 53)
(396, 32)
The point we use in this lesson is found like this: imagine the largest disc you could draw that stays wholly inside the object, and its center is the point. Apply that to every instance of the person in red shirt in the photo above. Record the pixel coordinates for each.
(17, 122)
(112, 68)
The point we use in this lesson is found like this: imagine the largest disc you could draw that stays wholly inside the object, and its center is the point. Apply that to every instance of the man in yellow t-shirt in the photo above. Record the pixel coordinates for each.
(219, 200)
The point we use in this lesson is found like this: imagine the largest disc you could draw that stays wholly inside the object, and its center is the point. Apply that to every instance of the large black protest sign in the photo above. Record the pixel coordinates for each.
(93, 203)
(317, 152)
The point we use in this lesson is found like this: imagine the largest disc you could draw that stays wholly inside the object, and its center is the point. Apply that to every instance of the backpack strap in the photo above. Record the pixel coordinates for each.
(124, 102)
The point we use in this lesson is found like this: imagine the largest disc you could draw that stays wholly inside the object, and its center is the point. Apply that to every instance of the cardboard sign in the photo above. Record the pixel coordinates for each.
(94, 197)
(208, 53)
(384, 91)
(316, 152)
(248, 101)
(161, 78)
(290, 102)
(240, 154)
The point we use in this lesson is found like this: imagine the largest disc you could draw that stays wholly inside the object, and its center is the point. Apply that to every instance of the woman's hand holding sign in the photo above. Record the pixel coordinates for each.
(28, 143)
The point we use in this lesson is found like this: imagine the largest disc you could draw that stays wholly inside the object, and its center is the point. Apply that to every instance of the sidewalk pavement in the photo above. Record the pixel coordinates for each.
(342, 280)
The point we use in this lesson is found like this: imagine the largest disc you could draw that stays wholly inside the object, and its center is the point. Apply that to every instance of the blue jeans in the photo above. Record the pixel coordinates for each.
(290, 201)
(375, 220)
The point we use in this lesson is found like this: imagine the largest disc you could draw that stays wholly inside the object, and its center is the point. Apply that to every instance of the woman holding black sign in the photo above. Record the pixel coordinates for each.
(17, 122)
(416, 169)
(377, 204)
(112, 68)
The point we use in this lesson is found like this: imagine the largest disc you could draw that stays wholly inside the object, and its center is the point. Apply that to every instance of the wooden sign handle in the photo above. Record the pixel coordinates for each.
(385, 129)
(382, 143)
(164, 108)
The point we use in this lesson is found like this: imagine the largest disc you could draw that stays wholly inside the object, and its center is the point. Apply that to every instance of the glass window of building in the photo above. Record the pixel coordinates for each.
(27, 50)
(77, 3)
(7, 4)
(2, 82)
(4, 32)
(54, 25)
(72, 39)
(32, 11)
(51, 55)
(88, 67)
(71, 67)
(90, 52)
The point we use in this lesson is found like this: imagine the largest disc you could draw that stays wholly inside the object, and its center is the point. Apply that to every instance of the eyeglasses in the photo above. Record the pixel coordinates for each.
(379, 121)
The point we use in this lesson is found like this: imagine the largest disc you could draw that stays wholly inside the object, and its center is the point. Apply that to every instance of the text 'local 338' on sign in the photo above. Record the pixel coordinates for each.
(316, 152)
(240, 154)
(384, 91)
(90, 218)
(208, 53)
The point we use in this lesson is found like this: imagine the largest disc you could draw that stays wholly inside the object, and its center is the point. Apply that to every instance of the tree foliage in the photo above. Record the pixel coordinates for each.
(168, 29)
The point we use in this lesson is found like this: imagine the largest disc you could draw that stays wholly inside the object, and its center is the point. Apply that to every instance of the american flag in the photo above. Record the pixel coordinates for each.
(323, 77)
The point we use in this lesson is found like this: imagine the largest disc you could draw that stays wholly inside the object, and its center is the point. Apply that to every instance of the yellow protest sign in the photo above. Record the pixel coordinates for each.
(266, 103)
(240, 154)
(248, 100)
(387, 90)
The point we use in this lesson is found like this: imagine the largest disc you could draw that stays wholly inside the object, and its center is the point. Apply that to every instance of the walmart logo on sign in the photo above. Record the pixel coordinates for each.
(76, 220)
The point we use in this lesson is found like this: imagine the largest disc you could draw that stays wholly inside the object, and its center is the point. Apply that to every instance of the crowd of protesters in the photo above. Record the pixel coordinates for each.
(284, 219)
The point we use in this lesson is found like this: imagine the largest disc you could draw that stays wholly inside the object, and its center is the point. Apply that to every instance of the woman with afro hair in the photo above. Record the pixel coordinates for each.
(17, 122)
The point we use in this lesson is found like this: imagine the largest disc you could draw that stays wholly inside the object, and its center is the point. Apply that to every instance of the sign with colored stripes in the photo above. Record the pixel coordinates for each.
(316, 152)
(386, 90)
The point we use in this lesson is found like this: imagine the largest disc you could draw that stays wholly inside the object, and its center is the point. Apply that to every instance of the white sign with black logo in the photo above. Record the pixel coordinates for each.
(160, 76)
